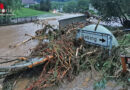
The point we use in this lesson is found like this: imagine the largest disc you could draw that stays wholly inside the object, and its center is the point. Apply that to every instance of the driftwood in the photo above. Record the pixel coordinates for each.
(37, 37)
(8, 61)
(8, 70)
(23, 42)
(19, 44)
(19, 59)
(62, 61)
(33, 37)
(89, 53)
(77, 50)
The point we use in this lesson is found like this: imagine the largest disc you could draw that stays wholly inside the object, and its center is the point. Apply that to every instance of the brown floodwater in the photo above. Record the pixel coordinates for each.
(13, 34)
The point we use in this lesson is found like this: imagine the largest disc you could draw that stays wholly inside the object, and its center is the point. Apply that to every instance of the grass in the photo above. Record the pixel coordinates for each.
(26, 12)
(125, 40)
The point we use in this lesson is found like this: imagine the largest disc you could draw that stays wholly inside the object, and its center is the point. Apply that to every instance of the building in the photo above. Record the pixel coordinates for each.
(27, 3)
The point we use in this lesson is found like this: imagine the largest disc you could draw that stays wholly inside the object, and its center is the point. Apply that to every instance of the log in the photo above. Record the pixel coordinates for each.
(33, 37)
(19, 44)
(89, 53)
(40, 62)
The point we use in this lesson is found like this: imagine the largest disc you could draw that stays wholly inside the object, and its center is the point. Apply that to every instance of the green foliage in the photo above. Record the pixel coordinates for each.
(25, 12)
(57, 5)
(125, 40)
(83, 5)
(36, 7)
(76, 6)
(112, 9)
(12, 4)
(45, 5)
(48, 5)
(92, 12)
(71, 6)
(100, 85)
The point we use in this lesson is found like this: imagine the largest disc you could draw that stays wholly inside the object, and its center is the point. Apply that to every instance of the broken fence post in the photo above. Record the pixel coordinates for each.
(125, 60)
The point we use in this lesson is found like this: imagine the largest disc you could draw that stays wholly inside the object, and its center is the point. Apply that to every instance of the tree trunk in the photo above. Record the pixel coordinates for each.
(121, 20)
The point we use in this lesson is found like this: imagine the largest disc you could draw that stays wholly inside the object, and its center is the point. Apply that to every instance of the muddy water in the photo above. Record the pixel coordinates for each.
(11, 35)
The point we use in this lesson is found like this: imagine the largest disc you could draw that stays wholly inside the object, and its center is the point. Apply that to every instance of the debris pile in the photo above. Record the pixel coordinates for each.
(70, 56)
(64, 49)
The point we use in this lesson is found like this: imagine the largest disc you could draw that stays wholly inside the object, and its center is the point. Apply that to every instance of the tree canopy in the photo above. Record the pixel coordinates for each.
(76, 6)
(83, 5)
(70, 6)
(112, 9)
(45, 5)
(11, 4)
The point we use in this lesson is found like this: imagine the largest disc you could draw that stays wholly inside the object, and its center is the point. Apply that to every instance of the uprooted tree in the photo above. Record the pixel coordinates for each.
(113, 10)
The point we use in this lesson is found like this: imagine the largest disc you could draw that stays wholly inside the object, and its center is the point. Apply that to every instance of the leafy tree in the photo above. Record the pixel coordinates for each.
(45, 5)
(113, 9)
(42, 4)
(48, 5)
(36, 6)
(11, 4)
(76, 6)
(70, 6)
(57, 5)
(83, 5)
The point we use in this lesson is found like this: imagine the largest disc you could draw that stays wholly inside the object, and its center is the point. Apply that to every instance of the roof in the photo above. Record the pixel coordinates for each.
(28, 2)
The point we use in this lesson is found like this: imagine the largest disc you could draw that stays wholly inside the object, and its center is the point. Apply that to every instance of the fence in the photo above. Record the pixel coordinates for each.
(18, 20)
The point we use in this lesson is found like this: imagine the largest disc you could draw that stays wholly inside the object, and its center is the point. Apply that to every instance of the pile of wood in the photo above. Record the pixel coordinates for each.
(70, 56)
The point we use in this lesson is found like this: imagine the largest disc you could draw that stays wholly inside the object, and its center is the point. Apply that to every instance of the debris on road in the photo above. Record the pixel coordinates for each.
(66, 56)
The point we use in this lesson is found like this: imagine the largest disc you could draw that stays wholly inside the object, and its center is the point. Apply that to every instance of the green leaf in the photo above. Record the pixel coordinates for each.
(55, 74)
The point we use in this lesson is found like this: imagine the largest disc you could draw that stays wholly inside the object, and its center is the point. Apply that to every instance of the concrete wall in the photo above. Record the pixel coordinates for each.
(65, 22)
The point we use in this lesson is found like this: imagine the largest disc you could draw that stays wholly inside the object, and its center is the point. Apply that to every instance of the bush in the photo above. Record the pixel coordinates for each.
(83, 5)
(76, 6)
(36, 7)
(70, 7)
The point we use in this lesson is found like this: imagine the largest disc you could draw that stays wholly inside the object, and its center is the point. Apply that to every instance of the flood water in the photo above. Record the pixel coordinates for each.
(14, 34)
(11, 35)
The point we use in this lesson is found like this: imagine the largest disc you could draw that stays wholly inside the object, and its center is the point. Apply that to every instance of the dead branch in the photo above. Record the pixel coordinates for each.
(19, 44)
